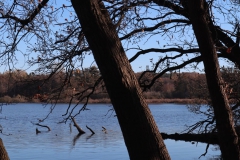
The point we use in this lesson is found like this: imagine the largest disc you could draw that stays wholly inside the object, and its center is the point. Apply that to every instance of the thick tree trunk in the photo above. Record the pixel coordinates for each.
(3, 152)
(228, 138)
(140, 132)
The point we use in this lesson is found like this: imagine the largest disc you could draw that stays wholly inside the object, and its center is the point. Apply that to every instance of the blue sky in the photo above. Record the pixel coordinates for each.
(138, 65)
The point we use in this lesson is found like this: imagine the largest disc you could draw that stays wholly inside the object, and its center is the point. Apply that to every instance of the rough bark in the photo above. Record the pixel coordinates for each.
(227, 136)
(3, 152)
(140, 132)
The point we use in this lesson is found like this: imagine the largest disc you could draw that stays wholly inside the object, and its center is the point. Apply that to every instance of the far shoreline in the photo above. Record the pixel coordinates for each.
(9, 100)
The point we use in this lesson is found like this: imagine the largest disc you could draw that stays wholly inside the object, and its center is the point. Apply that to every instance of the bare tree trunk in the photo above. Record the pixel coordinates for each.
(3, 152)
(228, 138)
(80, 131)
(140, 132)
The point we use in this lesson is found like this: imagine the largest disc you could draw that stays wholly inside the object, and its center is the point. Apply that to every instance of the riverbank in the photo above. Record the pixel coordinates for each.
(21, 99)
(150, 101)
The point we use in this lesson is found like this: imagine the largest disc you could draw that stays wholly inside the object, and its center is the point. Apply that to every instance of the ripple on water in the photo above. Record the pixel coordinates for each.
(62, 144)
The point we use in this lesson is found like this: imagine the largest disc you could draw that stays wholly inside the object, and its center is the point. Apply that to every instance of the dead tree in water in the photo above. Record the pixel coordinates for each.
(76, 125)
(49, 129)
(90, 130)
(3, 152)
(37, 131)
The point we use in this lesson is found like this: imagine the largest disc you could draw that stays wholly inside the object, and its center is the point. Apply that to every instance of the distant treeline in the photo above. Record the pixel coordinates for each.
(20, 86)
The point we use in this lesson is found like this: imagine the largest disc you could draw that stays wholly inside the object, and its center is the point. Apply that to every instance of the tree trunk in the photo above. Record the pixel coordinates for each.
(3, 152)
(140, 132)
(228, 138)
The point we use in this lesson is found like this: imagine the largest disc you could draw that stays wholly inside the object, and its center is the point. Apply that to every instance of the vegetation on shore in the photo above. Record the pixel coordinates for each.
(21, 87)
(22, 99)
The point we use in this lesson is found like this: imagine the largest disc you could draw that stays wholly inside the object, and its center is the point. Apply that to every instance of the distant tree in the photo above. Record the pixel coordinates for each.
(181, 87)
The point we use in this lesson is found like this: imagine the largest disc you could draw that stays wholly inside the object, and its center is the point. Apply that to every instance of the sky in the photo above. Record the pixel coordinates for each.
(139, 65)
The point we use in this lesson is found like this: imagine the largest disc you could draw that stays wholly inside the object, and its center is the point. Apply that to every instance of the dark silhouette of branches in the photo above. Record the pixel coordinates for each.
(149, 85)
(150, 29)
(24, 22)
(180, 50)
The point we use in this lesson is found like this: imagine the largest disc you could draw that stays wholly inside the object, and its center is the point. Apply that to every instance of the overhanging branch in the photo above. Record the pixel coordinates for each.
(180, 50)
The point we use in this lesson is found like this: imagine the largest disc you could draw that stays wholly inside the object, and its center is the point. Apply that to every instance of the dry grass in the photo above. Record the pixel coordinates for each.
(154, 101)
(21, 99)
(16, 99)
(103, 100)
(180, 101)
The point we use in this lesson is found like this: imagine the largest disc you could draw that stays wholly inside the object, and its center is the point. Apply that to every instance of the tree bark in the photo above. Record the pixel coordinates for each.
(140, 132)
(3, 152)
(227, 136)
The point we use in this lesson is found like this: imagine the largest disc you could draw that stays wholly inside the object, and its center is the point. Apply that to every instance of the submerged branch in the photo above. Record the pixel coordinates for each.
(210, 138)
(49, 129)
(90, 129)
(76, 125)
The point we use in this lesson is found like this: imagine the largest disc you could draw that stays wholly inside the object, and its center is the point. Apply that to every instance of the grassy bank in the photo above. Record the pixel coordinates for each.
(21, 99)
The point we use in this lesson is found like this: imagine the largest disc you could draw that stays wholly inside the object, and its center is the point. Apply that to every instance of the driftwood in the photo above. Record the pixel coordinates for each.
(49, 129)
(76, 125)
(210, 138)
(104, 130)
(37, 131)
(90, 129)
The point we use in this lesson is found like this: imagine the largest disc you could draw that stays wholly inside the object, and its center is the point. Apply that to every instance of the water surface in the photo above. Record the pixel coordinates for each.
(63, 143)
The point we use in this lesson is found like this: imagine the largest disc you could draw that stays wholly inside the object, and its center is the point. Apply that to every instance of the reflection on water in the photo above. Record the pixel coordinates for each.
(64, 142)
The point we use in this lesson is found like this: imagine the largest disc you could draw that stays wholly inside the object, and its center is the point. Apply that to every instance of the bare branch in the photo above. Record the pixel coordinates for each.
(148, 29)
(180, 50)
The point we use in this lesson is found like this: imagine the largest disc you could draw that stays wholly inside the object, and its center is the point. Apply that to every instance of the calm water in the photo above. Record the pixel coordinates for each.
(62, 143)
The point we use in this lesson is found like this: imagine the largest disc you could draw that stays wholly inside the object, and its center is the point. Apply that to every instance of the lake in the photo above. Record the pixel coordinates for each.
(62, 142)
